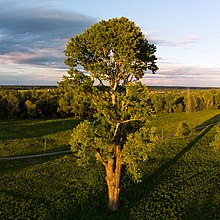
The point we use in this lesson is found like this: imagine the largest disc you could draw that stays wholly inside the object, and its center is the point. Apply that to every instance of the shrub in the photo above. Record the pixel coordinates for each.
(182, 130)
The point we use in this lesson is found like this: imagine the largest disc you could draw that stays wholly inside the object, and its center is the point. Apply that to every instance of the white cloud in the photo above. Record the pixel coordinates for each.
(18, 74)
(192, 39)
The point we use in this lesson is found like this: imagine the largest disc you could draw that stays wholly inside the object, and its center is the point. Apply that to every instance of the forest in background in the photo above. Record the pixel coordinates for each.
(60, 103)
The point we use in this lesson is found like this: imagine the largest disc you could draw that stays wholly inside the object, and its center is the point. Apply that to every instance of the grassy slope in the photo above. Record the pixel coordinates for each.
(181, 182)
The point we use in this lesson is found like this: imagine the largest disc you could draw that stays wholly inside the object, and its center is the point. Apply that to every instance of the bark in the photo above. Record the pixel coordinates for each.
(113, 179)
(113, 99)
(113, 90)
(114, 166)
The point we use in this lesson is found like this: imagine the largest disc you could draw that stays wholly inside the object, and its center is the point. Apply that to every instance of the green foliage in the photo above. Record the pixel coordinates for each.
(112, 50)
(28, 104)
(182, 129)
(126, 126)
(31, 108)
(132, 103)
(54, 103)
(82, 140)
(137, 150)
(171, 101)
(75, 94)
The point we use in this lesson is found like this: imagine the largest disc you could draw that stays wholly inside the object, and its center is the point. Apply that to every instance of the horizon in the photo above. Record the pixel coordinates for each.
(33, 36)
(151, 86)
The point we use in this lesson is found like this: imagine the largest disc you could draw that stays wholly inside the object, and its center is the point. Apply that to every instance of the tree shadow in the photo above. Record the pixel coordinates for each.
(19, 164)
(18, 129)
(212, 121)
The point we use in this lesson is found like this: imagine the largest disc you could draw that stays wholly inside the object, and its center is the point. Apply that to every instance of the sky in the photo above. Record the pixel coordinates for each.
(34, 34)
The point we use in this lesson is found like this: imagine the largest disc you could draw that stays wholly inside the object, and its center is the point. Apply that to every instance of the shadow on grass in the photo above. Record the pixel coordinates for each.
(19, 164)
(210, 209)
(17, 129)
(139, 191)
(210, 122)
(63, 195)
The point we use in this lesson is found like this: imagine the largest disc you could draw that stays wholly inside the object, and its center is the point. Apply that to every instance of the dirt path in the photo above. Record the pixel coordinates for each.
(34, 155)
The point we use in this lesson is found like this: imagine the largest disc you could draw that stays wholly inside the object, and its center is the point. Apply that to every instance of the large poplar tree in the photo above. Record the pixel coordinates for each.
(116, 54)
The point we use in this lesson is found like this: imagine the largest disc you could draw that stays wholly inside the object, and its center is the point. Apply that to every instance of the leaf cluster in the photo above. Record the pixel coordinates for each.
(132, 103)
(137, 149)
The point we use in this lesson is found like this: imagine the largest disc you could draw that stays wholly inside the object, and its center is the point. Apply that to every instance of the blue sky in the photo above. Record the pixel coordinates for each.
(33, 35)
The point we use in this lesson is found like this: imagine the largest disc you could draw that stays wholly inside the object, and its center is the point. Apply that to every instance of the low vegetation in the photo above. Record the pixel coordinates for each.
(181, 178)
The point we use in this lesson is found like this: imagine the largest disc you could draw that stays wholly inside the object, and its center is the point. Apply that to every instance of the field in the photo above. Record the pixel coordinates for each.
(182, 179)
(24, 137)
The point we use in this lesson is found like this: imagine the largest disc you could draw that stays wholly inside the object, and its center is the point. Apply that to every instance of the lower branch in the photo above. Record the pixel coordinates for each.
(99, 157)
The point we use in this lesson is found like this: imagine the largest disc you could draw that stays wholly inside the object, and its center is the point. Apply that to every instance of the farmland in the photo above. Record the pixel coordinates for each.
(181, 176)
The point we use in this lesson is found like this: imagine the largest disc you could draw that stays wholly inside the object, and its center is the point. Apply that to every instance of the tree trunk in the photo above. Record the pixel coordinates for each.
(113, 179)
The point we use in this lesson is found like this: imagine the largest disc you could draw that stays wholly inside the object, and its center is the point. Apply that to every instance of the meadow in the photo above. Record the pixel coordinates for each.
(182, 179)
(25, 137)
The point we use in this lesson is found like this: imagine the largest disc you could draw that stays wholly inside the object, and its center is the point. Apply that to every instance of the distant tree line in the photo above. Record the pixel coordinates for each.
(28, 104)
(185, 100)
(72, 98)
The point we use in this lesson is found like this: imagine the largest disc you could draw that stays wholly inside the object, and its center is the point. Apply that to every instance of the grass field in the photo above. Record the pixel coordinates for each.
(182, 178)
(24, 137)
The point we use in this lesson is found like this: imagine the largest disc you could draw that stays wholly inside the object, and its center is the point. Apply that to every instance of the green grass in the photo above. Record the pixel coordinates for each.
(18, 129)
(166, 124)
(24, 137)
(181, 181)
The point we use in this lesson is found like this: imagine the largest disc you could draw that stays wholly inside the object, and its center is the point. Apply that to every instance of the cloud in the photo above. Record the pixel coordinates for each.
(162, 42)
(190, 40)
(24, 74)
(180, 75)
(193, 39)
(37, 35)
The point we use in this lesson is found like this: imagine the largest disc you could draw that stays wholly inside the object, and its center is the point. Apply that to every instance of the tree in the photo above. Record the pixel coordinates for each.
(31, 109)
(13, 101)
(115, 52)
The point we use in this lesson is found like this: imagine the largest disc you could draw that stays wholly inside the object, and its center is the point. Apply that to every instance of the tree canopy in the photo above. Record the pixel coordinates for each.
(115, 50)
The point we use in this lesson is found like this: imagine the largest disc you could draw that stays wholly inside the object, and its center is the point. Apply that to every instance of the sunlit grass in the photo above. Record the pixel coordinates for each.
(181, 176)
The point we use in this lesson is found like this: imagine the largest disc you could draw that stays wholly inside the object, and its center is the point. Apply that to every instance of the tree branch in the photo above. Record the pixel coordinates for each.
(130, 120)
(116, 130)
(123, 122)
(98, 155)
